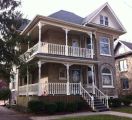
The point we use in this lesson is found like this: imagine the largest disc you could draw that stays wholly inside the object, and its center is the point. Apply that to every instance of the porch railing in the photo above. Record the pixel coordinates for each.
(57, 49)
(100, 95)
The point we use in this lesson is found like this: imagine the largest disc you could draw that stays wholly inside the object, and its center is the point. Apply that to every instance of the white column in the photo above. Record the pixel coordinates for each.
(91, 39)
(39, 78)
(93, 84)
(66, 38)
(68, 83)
(27, 81)
(40, 31)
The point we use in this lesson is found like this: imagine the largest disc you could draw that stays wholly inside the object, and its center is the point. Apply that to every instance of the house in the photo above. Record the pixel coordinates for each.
(70, 58)
(123, 62)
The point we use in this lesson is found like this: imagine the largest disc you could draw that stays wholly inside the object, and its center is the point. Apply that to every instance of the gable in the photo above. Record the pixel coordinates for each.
(112, 21)
(122, 49)
(106, 10)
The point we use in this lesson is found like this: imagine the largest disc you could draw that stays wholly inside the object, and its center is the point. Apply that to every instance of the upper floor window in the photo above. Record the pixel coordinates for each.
(104, 20)
(107, 78)
(104, 46)
(123, 65)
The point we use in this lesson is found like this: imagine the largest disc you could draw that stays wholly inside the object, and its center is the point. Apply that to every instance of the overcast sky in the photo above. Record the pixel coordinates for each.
(122, 8)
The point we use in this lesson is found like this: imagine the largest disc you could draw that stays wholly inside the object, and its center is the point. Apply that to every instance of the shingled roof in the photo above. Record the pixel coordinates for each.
(128, 44)
(67, 16)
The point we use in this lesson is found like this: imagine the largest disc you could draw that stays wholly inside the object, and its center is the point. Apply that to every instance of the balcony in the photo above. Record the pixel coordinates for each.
(57, 49)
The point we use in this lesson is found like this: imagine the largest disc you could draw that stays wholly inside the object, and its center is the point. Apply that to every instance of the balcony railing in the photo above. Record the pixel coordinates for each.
(56, 49)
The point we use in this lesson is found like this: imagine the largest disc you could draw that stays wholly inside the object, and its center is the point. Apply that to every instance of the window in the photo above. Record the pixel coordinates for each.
(104, 20)
(125, 83)
(104, 46)
(75, 74)
(107, 78)
(62, 74)
(123, 65)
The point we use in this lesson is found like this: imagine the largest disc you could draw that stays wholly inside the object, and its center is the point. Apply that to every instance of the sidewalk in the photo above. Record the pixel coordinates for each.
(81, 114)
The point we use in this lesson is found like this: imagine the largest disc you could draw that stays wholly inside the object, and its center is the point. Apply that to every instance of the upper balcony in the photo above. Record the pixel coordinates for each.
(59, 41)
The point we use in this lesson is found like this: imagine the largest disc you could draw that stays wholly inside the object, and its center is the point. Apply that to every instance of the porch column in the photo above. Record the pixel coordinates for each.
(39, 42)
(66, 38)
(39, 77)
(91, 40)
(27, 81)
(93, 84)
(67, 69)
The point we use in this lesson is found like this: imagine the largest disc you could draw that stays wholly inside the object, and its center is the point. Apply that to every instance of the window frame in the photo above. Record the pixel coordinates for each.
(103, 20)
(62, 78)
(122, 83)
(123, 69)
(105, 43)
(111, 75)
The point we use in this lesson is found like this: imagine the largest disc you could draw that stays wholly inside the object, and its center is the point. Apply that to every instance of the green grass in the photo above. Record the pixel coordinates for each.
(97, 117)
(123, 109)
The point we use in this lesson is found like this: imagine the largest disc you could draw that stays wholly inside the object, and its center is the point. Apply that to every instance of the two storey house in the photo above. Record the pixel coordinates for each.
(70, 57)
(123, 62)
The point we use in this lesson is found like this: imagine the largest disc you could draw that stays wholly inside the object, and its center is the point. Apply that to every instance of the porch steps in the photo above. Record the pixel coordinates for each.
(99, 106)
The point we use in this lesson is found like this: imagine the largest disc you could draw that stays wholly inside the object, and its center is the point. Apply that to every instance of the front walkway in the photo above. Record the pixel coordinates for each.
(7, 114)
(81, 114)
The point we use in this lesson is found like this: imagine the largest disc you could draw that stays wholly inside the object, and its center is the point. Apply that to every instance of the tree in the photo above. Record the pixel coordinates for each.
(10, 21)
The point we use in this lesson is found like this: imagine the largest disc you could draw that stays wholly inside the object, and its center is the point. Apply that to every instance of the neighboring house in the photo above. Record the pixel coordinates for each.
(123, 58)
(70, 57)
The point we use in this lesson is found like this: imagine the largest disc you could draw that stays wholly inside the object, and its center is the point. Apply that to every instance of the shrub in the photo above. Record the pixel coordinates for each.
(126, 101)
(5, 94)
(51, 108)
(60, 106)
(80, 105)
(71, 107)
(129, 97)
(116, 102)
(36, 106)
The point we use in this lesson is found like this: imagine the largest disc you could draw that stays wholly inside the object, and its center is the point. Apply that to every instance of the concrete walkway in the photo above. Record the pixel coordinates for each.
(81, 114)
(7, 114)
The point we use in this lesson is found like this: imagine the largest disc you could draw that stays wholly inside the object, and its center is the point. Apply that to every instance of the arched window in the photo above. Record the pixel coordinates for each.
(107, 78)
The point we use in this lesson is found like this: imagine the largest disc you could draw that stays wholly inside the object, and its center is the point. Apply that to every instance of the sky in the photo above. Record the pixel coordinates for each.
(122, 8)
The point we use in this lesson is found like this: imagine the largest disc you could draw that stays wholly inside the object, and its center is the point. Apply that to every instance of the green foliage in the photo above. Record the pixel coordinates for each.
(80, 105)
(126, 101)
(60, 106)
(51, 108)
(5, 94)
(115, 102)
(71, 107)
(129, 97)
(36, 106)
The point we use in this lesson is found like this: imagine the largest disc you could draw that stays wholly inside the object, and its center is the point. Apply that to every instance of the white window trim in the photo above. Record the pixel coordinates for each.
(112, 84)
(105, 43)
(62, 78)
(104, 20)
(125, 70)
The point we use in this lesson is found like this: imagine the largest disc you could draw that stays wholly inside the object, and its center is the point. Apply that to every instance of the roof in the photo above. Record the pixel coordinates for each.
(67, 16)
(24, 24)
(128, 44)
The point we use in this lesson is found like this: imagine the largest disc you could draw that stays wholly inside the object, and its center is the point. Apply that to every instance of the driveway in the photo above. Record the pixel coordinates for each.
(6, 114)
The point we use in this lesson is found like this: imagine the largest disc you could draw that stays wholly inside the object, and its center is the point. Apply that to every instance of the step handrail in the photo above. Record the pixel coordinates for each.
(86, 96)
(100, 95)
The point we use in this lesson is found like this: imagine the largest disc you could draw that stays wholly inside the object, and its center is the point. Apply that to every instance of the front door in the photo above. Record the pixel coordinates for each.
(75, 47)
(75, 76)
(89, 77)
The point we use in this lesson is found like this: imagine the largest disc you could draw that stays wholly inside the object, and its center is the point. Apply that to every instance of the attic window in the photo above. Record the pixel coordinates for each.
(104, 20)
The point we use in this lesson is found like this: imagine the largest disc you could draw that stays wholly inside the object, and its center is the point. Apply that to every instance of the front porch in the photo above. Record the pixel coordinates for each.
(52, 79)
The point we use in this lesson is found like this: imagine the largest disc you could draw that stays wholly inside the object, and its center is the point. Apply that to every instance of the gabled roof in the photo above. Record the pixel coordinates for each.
(67, 16)
(91, 16)
(128, 44)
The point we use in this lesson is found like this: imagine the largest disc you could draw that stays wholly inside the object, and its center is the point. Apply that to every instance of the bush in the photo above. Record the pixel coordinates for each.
(5, 94)
(80, 105)
(116, 102)
(36, 106)
(126, 101)
(60, 106)
(129, 97)
(51, 108)
(71, 107)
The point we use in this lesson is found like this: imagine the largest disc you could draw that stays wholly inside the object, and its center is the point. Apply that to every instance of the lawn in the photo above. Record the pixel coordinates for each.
(123, 109)
(97, 117)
